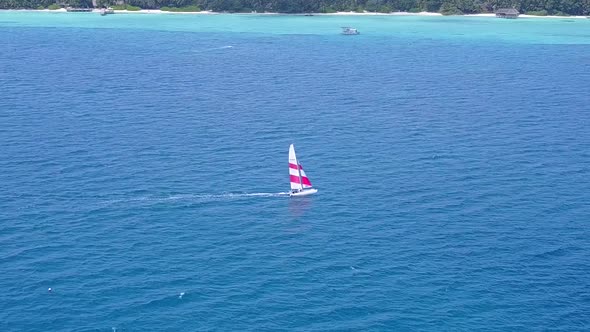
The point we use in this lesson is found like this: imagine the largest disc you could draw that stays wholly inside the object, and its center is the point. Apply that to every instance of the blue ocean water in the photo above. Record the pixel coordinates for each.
(143, 156)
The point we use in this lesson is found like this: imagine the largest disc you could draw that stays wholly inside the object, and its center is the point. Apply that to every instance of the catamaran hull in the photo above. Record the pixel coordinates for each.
(305, 192)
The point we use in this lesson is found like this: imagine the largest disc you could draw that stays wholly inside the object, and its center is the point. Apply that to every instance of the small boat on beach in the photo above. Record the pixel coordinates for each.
(300, 184)
(350, 31)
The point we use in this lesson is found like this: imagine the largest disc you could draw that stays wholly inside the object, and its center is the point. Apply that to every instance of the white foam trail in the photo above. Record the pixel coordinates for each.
(213, 49)
(196, 197)
(258, 194)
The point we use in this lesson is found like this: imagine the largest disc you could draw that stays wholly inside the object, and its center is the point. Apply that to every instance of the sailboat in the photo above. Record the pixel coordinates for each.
(300, 184)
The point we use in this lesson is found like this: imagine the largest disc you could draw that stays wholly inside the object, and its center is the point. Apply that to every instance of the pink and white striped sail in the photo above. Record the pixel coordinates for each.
(299, 180)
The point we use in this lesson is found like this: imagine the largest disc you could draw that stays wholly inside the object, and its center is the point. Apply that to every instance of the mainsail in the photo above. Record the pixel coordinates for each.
(299, 180)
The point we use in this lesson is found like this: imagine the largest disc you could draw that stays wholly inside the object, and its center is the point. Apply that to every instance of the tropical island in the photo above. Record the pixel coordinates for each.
(445, 7)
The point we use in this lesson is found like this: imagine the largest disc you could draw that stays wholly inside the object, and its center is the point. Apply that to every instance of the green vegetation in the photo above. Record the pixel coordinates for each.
(53, 7)
(125, 7)
(450, 9)
(327, 10)
(192, 8)
(132, 8)
(537, 12)
(385, 9)
(446, 7)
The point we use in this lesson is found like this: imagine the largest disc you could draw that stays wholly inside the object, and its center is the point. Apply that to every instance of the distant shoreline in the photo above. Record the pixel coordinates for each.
(158, 11)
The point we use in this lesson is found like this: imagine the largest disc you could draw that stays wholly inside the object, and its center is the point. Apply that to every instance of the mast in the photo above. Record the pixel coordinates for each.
(299, 171)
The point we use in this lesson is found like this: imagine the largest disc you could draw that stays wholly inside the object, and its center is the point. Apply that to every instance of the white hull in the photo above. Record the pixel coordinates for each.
(304, 192)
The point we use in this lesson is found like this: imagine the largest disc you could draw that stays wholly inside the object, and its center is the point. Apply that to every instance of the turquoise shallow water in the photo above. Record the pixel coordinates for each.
(482, 29)
(143, 157)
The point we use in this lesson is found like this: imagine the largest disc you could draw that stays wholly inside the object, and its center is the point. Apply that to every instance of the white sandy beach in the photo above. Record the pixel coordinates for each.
(523, 16)
(208, 12)
(378, 14)
(550, 16)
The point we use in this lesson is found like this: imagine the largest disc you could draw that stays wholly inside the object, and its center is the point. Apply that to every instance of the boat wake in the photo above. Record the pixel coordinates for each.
(213, 49)
(195, 198)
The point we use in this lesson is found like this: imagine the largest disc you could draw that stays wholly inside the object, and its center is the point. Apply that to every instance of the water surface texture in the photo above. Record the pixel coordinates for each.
(144, 156)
